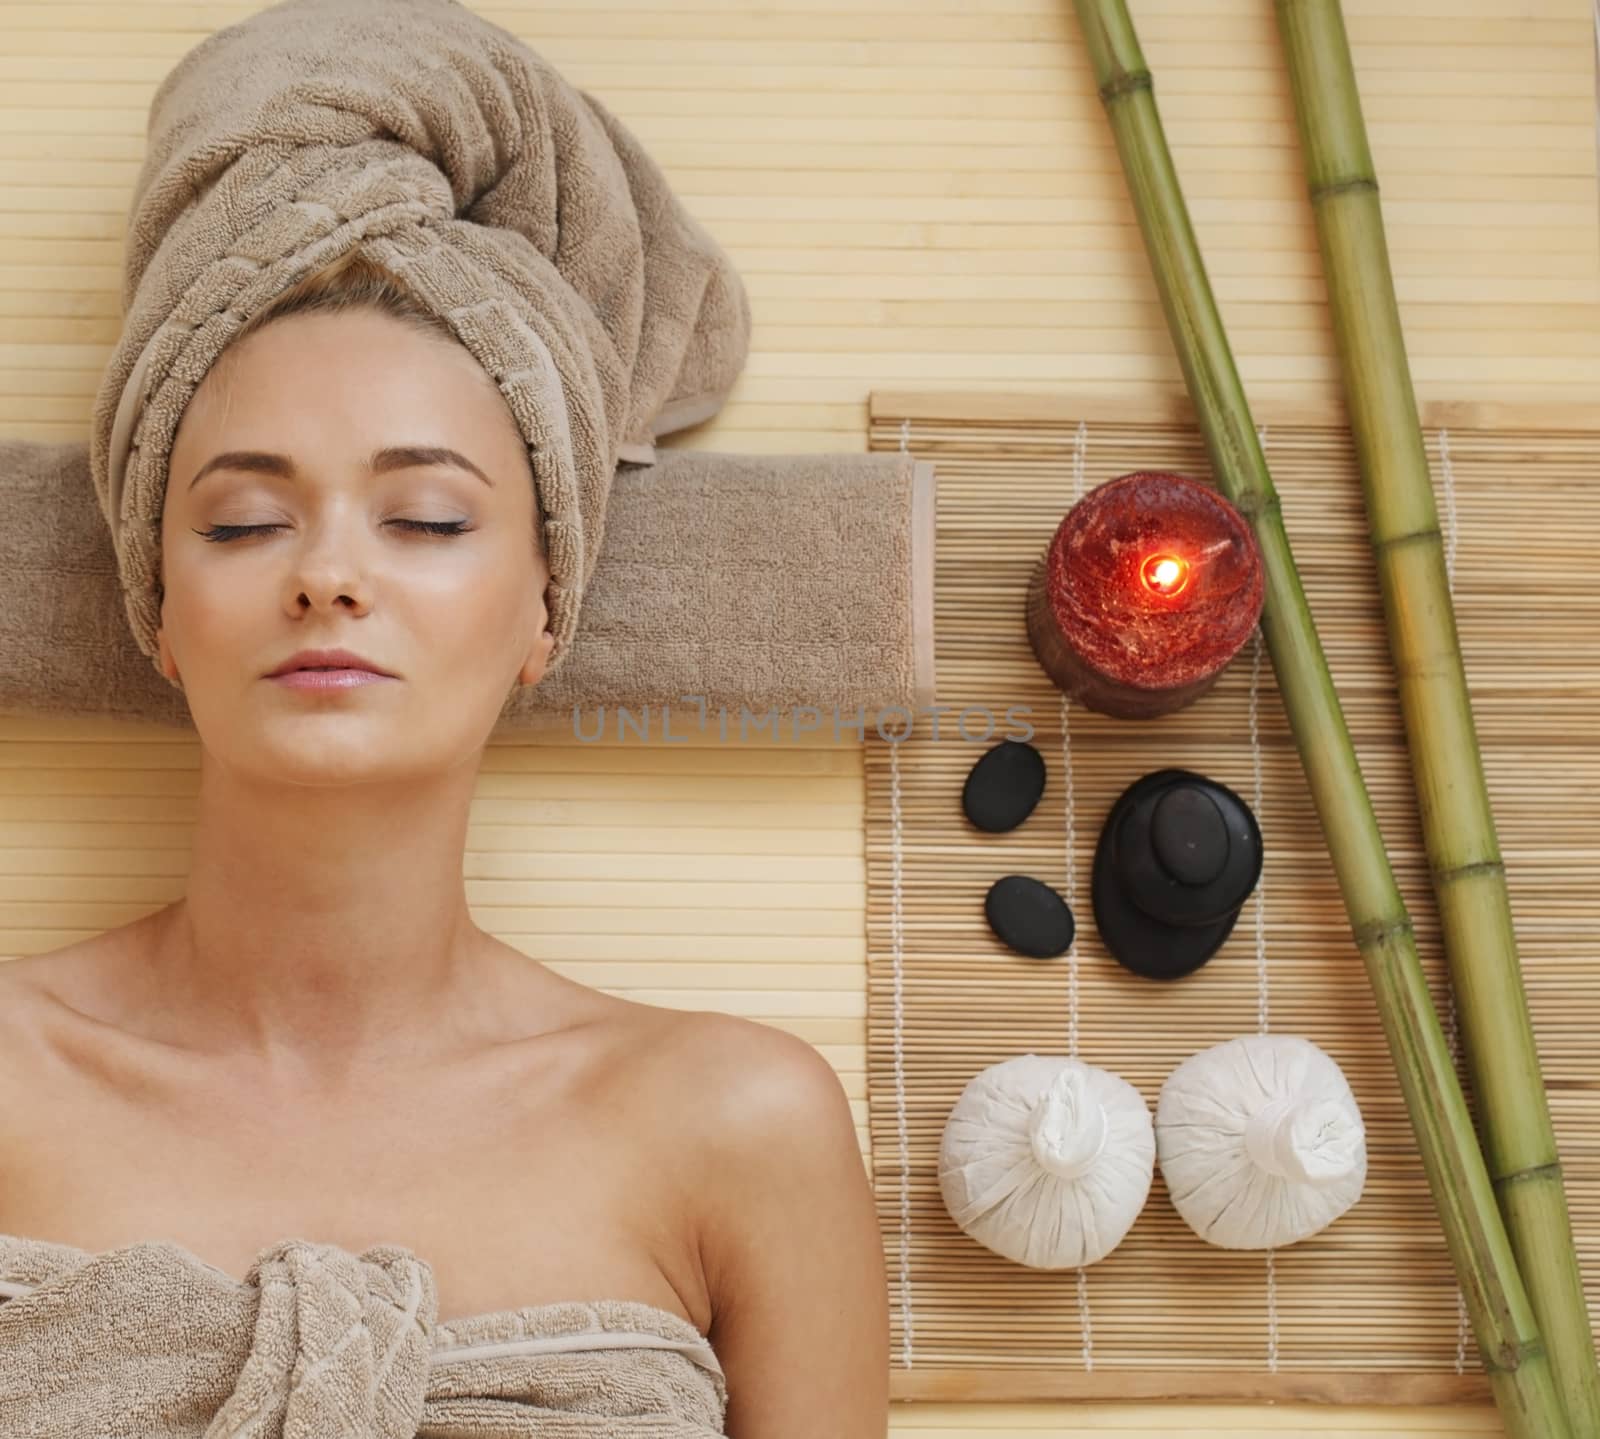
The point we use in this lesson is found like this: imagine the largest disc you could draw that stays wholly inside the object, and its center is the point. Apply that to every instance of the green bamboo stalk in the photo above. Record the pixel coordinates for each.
(1508, 1339)
(1469, 879)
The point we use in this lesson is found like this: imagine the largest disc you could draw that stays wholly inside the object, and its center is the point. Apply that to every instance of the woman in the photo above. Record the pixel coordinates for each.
(321, 994)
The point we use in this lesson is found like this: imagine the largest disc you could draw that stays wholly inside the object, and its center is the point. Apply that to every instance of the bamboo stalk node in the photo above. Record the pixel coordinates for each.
(1344, 187)
(1447, 873)
(1537, 1171)
(1411, 537)
(1376, 931)
(1128, 83)
(1253, 503)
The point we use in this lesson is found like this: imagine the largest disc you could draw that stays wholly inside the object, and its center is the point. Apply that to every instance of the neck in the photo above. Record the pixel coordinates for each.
(325, 934)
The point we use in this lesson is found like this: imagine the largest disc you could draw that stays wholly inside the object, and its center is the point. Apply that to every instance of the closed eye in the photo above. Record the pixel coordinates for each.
(232, 532)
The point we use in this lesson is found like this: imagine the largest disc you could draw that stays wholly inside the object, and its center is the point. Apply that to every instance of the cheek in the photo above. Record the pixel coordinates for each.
(203, 609)
(469, 622)
(484, 575)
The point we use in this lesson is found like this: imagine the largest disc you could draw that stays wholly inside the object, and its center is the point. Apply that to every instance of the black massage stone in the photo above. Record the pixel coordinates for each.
(1004, 786)
(1188, 835)
(1029, 917)
(1178, 856)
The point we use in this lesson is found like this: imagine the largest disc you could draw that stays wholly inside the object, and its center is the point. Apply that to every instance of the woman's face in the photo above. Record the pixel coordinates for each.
(458, 619)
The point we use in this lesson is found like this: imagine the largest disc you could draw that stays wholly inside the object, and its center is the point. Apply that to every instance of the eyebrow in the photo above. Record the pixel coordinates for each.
(395, 457)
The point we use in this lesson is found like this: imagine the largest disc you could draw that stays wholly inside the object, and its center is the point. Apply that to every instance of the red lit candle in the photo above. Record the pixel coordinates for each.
(1149, 587)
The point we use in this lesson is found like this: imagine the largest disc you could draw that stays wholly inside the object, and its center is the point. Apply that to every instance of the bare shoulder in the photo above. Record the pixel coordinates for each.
(37, 989)
(63, 976)
(742, 1075)
(29, 991)
(789, 1241)
(751, 1114)
(29, 1007)
(770, 1129)
(20, 981)
(16, 997)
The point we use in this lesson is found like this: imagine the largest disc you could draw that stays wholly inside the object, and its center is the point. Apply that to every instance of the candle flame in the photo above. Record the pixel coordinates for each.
(1165, 574)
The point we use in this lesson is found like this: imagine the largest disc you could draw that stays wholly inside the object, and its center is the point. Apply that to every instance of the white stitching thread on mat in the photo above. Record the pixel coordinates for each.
(1080, 452)
(1262, 1011)
(1453, 1032)
(897, 942)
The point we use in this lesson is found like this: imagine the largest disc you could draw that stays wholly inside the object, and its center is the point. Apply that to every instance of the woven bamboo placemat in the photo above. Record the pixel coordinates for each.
(1367, 1311)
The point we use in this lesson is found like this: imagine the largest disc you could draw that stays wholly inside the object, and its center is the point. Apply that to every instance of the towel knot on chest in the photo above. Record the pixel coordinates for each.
(340, 1344)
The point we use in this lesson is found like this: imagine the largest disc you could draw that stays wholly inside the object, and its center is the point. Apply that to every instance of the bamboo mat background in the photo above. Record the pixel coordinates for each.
(1368, 1309)
(919, 193)
(923, 193)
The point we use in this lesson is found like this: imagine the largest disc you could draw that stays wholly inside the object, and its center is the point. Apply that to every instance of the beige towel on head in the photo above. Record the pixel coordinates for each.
(523, 212)
(515, 206)
(149, 1342)
(747, 580)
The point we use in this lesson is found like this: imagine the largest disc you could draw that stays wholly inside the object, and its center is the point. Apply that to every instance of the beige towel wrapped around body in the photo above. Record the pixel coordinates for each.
(147, 1341)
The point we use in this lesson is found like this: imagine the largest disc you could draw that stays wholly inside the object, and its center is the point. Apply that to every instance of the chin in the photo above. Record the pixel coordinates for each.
(316, 750)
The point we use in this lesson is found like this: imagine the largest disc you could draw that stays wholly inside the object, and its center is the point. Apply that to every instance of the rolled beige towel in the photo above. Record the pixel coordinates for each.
(756, 580)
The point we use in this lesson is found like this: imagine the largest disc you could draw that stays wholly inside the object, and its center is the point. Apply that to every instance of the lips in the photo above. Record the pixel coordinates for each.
(338, 659)
(327, 681)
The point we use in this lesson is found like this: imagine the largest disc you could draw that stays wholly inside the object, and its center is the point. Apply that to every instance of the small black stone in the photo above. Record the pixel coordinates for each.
(1004, 786)
(1029, 917)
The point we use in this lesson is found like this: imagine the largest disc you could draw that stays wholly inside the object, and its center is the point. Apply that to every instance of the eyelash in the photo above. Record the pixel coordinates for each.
(223, 533)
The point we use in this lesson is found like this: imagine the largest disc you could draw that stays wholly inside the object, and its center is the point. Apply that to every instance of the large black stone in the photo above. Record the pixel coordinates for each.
(1029, 917)
(1003, 787)
(1178, 856)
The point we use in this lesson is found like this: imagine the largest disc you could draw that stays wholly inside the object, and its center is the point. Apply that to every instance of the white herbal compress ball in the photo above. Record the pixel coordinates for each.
(1261, 1142)
(1047, 1161)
